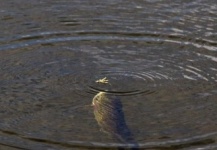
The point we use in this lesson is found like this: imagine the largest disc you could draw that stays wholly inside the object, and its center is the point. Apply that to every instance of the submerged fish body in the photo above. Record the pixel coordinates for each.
(110, 117)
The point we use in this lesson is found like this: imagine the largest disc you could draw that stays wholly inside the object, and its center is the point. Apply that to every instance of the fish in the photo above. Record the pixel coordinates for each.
(109, 114)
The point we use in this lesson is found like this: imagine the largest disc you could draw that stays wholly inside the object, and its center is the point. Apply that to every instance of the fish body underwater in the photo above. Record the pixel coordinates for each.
(110, 117)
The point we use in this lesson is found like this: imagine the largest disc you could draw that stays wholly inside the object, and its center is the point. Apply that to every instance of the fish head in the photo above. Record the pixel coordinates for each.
(99, 98)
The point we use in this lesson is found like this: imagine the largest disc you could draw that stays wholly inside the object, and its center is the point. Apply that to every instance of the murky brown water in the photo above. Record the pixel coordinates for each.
(160, 58)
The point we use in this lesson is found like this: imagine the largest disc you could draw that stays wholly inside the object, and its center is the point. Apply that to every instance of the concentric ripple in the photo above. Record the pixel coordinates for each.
(155, 71)
(159, 57)
(187, 62)
(97, 35)
(127, 83)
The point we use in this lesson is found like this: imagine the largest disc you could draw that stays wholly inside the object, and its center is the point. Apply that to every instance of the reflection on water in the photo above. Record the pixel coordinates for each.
(160, 57)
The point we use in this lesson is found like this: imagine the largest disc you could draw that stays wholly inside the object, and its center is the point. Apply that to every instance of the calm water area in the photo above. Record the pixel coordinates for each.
(160, 57)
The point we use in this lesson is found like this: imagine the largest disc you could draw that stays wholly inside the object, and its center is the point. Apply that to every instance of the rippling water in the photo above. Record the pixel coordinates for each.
(160, 58)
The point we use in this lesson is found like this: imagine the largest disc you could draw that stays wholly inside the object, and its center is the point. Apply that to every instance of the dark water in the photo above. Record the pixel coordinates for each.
(159, 56)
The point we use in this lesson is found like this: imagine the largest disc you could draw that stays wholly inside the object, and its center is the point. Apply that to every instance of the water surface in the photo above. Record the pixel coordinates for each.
(159, 56)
